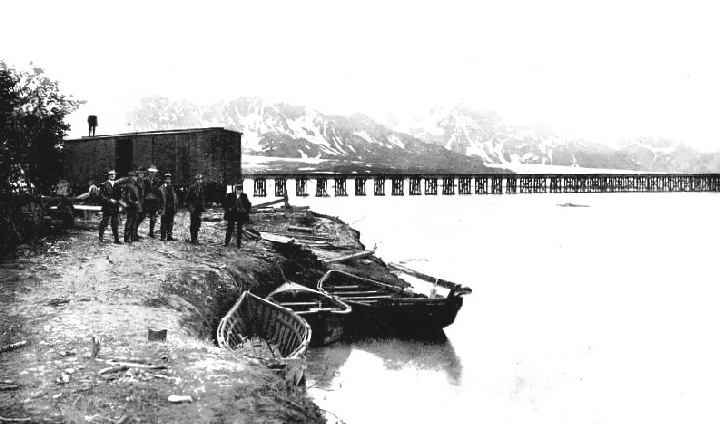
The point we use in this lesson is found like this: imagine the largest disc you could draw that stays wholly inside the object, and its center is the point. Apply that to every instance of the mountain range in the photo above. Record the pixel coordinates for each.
(447, 139)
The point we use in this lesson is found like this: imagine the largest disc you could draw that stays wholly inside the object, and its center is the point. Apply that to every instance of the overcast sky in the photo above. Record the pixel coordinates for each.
(600, 71)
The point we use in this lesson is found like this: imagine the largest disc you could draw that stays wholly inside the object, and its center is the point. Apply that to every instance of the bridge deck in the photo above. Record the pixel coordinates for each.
(467, 184)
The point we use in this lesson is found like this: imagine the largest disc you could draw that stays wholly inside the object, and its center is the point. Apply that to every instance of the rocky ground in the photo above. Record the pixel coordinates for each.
(75, 316)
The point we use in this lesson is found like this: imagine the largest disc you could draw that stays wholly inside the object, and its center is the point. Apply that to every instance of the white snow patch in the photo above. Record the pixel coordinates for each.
(365, 136)
(396, 141)
(251, 141)
(306, 129)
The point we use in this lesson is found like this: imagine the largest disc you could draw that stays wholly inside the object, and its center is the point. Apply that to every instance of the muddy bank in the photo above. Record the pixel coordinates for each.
(74, 289)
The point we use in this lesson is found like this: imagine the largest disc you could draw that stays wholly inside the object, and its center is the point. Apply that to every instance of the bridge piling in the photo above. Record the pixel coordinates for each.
(493, 184)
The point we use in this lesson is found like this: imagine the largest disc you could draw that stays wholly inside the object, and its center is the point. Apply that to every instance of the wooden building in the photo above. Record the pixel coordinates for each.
(214, 152)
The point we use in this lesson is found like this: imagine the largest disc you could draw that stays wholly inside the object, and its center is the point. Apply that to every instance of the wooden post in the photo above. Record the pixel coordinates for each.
(380, 185)
(431, 186)
(321, 187)
(280, 187)
(360, 186)
(448, 186)
(464, 185)
(398, 186)
(340, 186)
(414, 186)
(301, 186)
(260, 187)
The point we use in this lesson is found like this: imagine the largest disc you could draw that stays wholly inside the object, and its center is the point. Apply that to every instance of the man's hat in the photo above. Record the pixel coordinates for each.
(198, 177)
(132, 174)
(142, 169)
(168, 175)
(152, 168)
(112, 171)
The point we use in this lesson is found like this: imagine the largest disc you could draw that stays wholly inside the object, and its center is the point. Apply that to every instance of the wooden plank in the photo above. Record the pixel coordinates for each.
(298, 303)
(344, 287)
(363, 292)
(387, 296)
(301, 229)
(353, 256)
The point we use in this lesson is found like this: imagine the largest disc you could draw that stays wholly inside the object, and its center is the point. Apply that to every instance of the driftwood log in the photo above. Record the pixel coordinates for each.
(14, 346)
(301, 229)
(354, 256)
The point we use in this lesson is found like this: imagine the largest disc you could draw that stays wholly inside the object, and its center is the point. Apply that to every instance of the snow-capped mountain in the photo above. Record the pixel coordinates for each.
(282, 130)
(452, 139)
(483, 134)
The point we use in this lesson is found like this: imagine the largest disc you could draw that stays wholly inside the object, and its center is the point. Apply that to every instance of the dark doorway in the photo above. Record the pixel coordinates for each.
(123, 156)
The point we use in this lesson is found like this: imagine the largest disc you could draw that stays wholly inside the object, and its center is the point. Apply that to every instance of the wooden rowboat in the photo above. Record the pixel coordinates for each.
(378, 306)
(261, 329)
(326, 315)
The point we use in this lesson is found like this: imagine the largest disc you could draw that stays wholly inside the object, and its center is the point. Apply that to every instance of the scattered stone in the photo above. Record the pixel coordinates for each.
(69, 371)
(57, 396)
(7, 385)
(63, 379)
(180, 399)
(95, 348)
(117, 368)
(58, 302)
(14, 346)
(157, 335)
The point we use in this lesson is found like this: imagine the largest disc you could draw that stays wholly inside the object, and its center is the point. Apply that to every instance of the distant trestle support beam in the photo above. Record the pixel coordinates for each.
(431, 185)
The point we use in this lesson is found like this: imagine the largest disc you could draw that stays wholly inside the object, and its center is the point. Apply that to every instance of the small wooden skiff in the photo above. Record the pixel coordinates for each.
(378, 306)
(259, 328)
(326, 315)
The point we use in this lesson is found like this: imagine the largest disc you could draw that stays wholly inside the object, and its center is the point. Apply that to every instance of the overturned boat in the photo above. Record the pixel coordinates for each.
(326, 315)
(261, 329)
(379, 306)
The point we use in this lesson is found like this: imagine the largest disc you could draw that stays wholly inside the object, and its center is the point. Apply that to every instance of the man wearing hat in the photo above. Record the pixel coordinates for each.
(151, 202)
(168, 207)
(110, 200)
(237, 210)
(196, 205)
(141, 202)
(131, 200)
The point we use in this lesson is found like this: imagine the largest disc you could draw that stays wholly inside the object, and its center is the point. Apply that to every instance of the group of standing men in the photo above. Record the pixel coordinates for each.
(142, 196)
(145, 196)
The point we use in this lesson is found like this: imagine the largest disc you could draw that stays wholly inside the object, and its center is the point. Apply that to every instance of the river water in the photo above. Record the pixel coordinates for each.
(603, 312)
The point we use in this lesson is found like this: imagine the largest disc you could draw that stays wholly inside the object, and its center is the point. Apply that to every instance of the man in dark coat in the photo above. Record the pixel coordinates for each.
(141, 201)
(92, 124)
(196, 206)
(151, 203)
(110, 200)
(168, 207)
(131, 201)
(237, 210)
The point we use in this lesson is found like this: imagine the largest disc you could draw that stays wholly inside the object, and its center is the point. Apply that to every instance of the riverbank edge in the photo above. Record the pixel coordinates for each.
(56, 379)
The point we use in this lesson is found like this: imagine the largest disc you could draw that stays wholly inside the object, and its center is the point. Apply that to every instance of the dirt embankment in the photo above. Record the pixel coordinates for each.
(75, 291)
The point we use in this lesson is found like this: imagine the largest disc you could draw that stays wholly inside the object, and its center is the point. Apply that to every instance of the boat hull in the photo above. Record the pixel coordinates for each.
(327, 327)
(326, 315)
(379, 307)
(285, 334)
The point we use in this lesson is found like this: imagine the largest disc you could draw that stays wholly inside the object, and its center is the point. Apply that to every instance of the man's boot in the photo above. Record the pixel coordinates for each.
(151, 233)
(101, 233)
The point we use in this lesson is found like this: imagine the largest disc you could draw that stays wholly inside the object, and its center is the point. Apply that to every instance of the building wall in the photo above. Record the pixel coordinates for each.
(213, 152)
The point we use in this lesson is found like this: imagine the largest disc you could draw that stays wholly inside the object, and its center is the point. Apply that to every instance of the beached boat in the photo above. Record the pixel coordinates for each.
(261, 329)
(326, 315)
(378, 306)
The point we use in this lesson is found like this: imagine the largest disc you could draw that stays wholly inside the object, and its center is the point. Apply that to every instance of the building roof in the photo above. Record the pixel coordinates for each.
(158, 132)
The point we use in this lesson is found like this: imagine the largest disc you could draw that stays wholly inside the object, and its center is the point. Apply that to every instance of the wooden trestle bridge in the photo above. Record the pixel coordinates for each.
(465, 184)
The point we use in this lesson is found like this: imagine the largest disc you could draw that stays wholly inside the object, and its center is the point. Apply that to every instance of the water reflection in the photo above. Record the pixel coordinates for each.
(434, 354)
